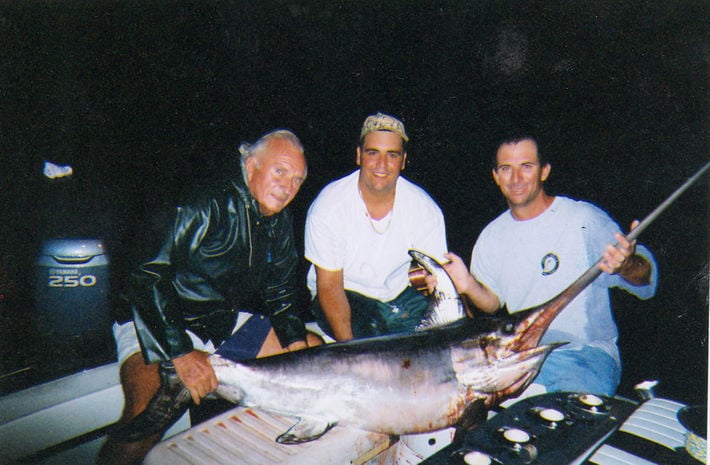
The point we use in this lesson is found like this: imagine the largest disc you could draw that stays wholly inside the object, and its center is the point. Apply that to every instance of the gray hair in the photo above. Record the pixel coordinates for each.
(248, 150)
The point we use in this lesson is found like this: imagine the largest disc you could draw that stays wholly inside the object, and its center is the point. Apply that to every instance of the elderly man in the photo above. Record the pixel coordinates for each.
(358, 232)
(230, 249)
(535, 250)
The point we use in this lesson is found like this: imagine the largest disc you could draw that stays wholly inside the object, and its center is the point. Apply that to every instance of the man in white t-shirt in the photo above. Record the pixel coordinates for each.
(358, 233)
(535, 250)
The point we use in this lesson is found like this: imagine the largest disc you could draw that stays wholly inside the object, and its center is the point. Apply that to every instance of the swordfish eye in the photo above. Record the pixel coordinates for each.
(508, 327)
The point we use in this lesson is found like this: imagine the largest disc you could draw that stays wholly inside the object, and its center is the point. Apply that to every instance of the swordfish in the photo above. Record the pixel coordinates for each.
(453, 369)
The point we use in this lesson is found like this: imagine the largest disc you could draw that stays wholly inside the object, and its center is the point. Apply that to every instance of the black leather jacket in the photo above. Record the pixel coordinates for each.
(220, 255)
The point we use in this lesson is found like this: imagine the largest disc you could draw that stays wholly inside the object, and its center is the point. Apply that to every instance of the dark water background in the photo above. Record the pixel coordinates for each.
(146, 99)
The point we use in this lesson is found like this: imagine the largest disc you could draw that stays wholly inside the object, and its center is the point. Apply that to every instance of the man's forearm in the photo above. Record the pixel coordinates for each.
(480, 296)
(336, 308)
(636, 270)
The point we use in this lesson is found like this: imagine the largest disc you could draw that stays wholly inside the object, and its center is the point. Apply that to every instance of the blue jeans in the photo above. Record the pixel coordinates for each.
(589, 370)
(371, 317)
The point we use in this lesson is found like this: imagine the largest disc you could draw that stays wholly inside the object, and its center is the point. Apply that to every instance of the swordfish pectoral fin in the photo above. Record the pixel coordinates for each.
(305, 430)
(230, 392)
(473, 415)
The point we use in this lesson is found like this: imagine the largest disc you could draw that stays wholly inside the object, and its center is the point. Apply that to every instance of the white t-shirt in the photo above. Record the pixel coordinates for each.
(372, 254)
(526, 263)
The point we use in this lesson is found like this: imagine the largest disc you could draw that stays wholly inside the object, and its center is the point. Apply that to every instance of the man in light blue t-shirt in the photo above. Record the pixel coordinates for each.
(535, 250)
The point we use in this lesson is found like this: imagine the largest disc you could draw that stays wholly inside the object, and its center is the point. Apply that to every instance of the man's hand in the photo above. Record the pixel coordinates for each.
(456, 269)
(196, 373)
(622, 259)
(614, 257)
(458, 272)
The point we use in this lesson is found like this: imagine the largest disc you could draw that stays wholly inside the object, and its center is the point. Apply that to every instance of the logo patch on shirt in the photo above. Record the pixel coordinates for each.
(550, 262)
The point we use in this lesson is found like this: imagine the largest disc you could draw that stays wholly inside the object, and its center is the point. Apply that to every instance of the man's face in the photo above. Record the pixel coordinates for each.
(518, 173)
(380, 159)
(275, 175)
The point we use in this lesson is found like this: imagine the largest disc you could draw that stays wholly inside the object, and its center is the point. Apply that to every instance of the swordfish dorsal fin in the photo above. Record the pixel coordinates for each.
(446, 305)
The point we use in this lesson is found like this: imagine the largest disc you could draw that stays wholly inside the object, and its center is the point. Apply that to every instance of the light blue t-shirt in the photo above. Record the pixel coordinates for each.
(526, 263)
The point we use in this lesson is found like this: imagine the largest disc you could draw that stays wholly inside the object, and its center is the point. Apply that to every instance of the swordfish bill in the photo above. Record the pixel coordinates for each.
(399, 384)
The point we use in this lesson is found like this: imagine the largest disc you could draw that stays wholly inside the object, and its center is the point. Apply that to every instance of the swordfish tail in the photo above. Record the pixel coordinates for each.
(166, 407)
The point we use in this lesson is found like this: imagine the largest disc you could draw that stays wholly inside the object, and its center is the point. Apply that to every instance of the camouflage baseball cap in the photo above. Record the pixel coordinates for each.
(383, 122)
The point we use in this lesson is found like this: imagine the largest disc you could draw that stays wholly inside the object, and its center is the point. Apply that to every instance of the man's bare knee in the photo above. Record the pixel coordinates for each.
(271, 345)
(312, 339)
(140, 382)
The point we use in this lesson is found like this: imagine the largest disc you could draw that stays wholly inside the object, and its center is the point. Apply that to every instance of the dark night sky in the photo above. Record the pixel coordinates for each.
(148, 98)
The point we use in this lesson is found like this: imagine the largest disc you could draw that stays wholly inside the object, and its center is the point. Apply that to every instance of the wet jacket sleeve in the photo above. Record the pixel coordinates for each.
(280, 287)
(157, 311)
